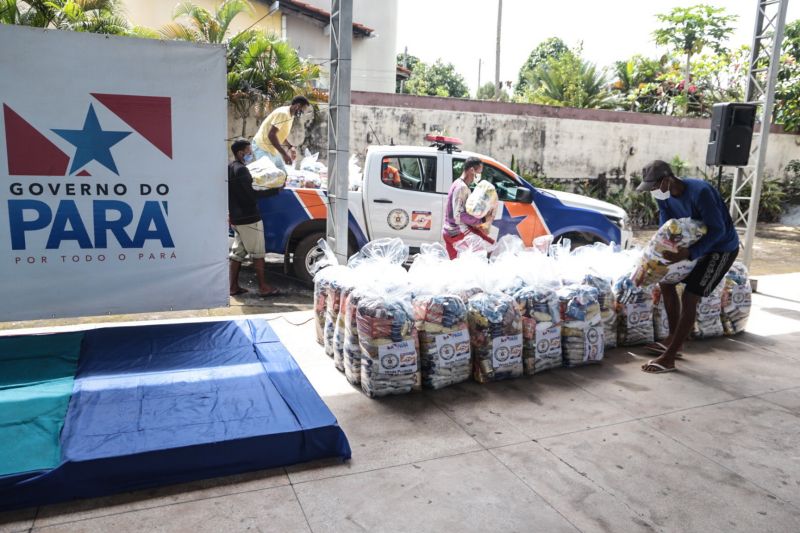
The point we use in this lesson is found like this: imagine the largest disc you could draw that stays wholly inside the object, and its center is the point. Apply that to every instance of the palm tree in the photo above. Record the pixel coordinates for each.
(263, 70)
(201, 25)
(95, 16)
(568, 80)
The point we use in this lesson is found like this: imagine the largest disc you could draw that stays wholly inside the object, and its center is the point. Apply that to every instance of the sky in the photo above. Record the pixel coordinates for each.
(463, 31)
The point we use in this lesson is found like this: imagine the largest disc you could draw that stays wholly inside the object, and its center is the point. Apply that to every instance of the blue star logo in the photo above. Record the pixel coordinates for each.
(92, 143)
(506, 224)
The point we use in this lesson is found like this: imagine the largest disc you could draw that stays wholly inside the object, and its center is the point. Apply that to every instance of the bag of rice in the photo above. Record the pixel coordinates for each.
(673, 235)
(495, 331)
(736, 299)
(582, 333)
(541, 328)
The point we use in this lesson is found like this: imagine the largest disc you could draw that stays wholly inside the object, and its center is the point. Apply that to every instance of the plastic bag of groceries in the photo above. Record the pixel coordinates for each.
(708, 323)
(338, 291)
(266, 175)
(310, 163)
(321, 281)
(388, 340)
(495, 331)
(441, 319)
(541, 328)
(608, 306)
(635, 310)
(582, 334)
(660, 319)
(351, 356)
(482, 200)
(736, 299)
(673, 235)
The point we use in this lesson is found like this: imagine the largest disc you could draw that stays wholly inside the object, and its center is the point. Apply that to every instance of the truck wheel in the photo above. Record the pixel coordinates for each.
(306, 255)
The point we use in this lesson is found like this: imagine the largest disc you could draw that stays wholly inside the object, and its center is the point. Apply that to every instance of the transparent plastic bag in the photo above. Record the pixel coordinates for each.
(265, 174)
(673, 235)
(495, 330)
(388, 340)
(541, 328)
(736, 299)
(708, 323)
(482, 200)
(582, 333)
(444, 347)
(352, 347)
(608, 306)
(635, 310)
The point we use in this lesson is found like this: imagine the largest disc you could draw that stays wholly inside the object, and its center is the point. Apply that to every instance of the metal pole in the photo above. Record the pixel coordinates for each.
(497, 51)
(760, 90)
(339, 126)
(479, 74)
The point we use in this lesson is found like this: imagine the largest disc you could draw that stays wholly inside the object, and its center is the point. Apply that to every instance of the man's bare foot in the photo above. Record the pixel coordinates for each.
(269, 291)
(237, 291)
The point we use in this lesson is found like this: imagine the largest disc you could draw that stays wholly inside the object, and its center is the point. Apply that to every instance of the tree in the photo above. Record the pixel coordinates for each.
(688, 30)
(486, 92)
(197, 24)
(568, 80)
(552, 47)
(787, 87)
(95, 16)
(438, 79)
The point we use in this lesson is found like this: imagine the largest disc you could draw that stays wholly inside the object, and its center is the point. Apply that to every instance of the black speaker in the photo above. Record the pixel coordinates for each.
(731, 134)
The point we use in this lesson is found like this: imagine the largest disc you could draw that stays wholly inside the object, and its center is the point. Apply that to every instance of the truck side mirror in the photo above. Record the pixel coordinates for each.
(524, 195)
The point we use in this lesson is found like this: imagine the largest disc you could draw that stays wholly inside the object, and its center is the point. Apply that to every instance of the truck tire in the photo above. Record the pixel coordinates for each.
(306, 254)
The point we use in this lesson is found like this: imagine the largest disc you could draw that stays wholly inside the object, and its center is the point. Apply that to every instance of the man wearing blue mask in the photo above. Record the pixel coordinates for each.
(714, 253)
(245, 219)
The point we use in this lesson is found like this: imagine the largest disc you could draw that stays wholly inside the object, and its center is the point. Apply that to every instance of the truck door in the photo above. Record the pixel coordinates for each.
(403, 200)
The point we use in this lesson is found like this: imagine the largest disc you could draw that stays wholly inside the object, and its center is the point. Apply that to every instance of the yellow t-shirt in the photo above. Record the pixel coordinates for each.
(282, 119)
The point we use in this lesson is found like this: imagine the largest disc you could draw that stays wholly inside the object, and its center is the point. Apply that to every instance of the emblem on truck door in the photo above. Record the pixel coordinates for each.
(397, 219)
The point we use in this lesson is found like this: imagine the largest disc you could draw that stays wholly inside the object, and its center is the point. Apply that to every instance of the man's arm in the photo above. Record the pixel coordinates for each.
(460, 210)
(273, 138)
(714, 221)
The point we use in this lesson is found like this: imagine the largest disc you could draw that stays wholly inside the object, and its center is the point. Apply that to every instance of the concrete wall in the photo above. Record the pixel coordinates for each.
(556, 142)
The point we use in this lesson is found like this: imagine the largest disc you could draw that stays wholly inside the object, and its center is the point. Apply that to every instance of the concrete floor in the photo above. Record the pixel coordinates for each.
(713, 447)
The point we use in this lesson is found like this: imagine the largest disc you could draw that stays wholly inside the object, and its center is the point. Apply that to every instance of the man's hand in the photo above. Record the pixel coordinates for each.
(287, 158)
(673, 257)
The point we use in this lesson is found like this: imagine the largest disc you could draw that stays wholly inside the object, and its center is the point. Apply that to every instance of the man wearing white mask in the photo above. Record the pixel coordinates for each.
(715, 252)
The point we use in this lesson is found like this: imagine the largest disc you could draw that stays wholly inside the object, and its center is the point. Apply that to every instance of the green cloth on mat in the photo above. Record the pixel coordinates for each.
(36, 378)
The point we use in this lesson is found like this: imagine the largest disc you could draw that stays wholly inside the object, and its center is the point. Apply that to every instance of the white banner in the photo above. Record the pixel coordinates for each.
(113, 194)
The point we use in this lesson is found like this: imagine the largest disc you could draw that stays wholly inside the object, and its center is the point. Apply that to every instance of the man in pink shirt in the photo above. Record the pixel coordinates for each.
(457, 222)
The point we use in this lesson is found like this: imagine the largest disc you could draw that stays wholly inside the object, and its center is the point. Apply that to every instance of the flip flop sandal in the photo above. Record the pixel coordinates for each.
(270, 294)
(239, 291)
(659, 348)
(660, 369)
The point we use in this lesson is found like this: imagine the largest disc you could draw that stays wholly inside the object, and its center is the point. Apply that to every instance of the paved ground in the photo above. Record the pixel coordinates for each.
(713, 447)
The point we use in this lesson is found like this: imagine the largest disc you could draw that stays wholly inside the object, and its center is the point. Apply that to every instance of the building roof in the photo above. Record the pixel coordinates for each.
(318, 14)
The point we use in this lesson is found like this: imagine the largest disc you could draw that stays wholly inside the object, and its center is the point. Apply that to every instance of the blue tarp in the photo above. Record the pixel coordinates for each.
(153, 405)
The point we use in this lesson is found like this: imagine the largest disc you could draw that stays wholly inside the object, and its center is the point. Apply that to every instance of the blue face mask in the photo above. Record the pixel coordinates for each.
(248, 158)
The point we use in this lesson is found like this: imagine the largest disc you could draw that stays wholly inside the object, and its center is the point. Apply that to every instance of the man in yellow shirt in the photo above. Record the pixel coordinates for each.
(270, 140)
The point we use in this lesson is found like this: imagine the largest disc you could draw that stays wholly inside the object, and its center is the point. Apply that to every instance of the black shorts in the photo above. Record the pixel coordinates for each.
(709, 271)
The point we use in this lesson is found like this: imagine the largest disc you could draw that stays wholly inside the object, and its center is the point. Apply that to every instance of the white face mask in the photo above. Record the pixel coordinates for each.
(658, 194)
(477, 177)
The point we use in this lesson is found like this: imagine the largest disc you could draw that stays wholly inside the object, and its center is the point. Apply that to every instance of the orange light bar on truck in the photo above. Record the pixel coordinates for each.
(441, 139)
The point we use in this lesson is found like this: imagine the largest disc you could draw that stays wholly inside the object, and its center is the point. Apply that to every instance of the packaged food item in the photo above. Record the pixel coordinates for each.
(320, 307)
(265, 174)
(388, 340)
(736, 299)
(352, 347)
(482, 201)
(708, 323)
(335, 287)
(673, 235)
(444, 347)
(635, 310)
(582, 334)
(660, 319)
(495, 331)
(541, 328)
(340, 325)
(608, 307)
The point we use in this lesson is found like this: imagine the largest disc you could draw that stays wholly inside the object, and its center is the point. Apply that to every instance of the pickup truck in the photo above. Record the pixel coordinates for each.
(409, 203)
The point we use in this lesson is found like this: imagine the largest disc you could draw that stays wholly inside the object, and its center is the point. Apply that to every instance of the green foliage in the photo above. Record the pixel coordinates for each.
(550, 48)
(791, 183)
(787, 88)
(642, 210)
(438, 79)
(486, 92)
(690, 29)
(543, 182)
(568, 80)
(94, 16)
(197, 24)
(410, 62)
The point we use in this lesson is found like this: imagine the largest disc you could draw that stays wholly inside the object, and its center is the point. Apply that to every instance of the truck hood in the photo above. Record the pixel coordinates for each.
(585, 202)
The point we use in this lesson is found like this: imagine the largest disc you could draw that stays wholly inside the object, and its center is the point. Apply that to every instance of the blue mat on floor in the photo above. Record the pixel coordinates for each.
(154, 405)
